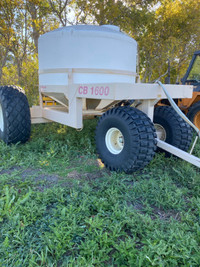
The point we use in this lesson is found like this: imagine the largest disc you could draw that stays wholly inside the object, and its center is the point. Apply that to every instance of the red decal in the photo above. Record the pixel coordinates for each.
(94, 91)
(106, 92)
(80, 90)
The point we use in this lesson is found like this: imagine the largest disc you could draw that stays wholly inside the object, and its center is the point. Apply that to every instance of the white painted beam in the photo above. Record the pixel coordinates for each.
(179, 153)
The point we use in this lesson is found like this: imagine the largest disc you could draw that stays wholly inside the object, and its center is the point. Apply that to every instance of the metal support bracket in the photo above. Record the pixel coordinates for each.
(179, 153)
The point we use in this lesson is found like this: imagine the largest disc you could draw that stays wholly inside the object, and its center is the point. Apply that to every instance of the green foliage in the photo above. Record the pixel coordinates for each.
(165, 30)
(172, 33)
(28, 81)
(194, 72)
(9, 75)
(59, 207)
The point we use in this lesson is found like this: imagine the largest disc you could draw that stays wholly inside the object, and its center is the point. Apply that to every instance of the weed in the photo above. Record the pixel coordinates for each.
(60, 207)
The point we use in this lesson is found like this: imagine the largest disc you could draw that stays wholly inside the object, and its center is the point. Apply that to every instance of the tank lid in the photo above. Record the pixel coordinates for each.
(112, 27)
(111, 31)
(93, 28)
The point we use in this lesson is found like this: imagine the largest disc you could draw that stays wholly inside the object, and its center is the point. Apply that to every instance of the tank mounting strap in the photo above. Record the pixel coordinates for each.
(88, 70)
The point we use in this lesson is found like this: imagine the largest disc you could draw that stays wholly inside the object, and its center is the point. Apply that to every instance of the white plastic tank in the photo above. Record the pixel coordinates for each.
(87, 47)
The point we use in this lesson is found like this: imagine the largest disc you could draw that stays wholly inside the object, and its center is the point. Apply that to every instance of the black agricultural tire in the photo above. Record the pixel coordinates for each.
(139, 139)
(178, 132)
(194, 114)
(16, 115)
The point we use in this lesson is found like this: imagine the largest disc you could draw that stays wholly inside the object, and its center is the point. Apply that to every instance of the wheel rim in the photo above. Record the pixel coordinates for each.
(197, 119)
(114, 140)
(160, 131)
(1, 119)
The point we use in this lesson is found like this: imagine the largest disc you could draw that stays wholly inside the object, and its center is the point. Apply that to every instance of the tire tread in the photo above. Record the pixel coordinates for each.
(143, 138)
(181, 131)
(17, 114)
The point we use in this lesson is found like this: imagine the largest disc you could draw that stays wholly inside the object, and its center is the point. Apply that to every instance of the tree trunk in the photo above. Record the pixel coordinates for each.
(36, 35)
(3, 62)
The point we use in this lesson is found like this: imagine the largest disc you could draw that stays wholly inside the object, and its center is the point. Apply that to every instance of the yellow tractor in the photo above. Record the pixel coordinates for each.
(191, 106)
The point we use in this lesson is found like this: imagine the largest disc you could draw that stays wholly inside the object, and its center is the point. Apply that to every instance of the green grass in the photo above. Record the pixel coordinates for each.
(58, 207)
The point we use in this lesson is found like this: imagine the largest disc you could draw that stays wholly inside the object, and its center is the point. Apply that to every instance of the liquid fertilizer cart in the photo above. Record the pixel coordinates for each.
(87, 71)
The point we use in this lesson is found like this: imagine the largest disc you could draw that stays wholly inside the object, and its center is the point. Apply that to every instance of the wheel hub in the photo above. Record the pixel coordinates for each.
(1, 119)
(114, 140)
(160, 131)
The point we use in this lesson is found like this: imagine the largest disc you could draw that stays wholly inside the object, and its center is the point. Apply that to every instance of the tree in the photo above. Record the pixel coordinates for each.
(61, 10)
(7, 23)
(166, 30)
(173, 34)
(41, 19)
(101, 12)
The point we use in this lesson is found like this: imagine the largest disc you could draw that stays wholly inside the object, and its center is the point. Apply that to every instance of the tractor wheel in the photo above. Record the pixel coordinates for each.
(194, 114)
(171, 128)
(15, 123)
(125, 139)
